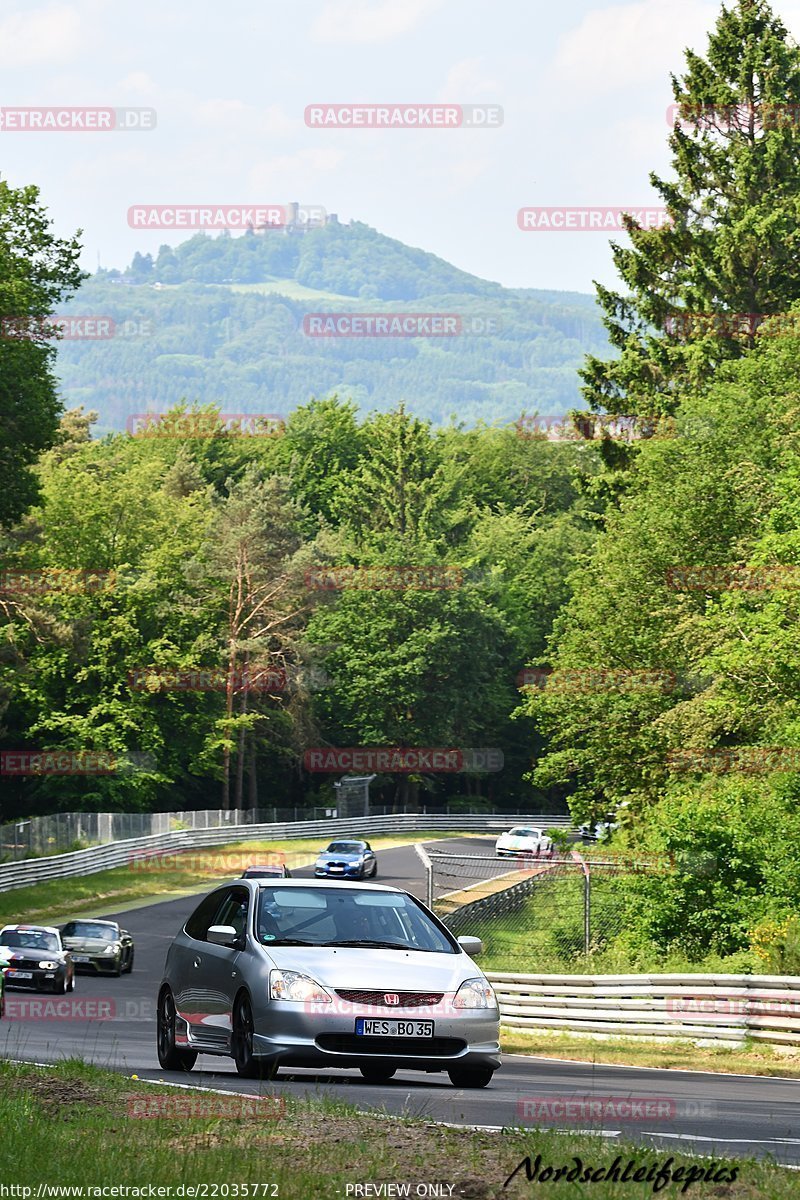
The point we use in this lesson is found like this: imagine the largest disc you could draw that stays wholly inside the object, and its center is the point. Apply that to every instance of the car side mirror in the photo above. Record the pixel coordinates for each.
(124, 933)
(222, 935)
(471, 945)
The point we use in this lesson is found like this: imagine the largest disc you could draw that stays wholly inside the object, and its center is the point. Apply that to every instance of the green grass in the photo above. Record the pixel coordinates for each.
(753, 1058)
(73, 1126)
(112, 890)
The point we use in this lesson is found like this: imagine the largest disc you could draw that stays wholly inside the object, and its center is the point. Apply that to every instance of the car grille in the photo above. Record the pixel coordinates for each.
(407, 999)
(350, 1043)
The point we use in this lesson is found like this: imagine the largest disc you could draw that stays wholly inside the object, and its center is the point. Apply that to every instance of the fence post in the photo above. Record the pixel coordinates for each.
(587, 901)
(587, 912)
(428, 865)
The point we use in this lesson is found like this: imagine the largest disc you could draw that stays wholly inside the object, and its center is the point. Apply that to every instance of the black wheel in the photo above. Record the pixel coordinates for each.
(374, 869)
(247, 1064)
(375, 1073)
(60, 985)
(117, 968)
(129, 966)
(170, 1057)
(71, 984)
(471, 1077)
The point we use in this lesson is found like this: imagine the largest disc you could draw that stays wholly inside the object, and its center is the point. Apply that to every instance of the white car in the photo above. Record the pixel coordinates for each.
(523, 840)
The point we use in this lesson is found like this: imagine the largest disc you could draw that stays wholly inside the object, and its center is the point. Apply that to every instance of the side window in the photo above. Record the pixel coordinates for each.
(233, 910)
(203, 916)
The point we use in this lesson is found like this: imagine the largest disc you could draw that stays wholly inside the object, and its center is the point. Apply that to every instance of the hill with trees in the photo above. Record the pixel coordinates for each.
(220, 320)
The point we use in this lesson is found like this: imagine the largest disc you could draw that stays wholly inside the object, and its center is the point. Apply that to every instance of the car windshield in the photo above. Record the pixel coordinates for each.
(29, 939)
(96, 930)
(345, 848)
(347, 917)
(520, 832)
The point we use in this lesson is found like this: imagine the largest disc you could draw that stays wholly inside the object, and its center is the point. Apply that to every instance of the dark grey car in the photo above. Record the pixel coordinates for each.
(99, 946)
(309, 973)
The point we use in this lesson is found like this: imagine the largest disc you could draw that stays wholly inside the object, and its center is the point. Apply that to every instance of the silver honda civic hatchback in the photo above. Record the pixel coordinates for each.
(306, 973)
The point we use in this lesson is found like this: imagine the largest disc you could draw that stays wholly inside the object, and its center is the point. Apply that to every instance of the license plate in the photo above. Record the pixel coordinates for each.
(336, 869)
(81, 958)
(372, 1027)
(19, 974)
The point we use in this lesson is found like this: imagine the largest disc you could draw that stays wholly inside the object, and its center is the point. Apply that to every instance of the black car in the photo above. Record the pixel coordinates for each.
(36, 958)
(99, 946)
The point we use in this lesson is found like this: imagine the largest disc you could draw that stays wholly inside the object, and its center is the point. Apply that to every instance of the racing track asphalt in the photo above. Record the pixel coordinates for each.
(709, 1114)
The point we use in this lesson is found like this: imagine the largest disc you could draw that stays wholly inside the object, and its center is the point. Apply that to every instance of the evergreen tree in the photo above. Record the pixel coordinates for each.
(731, 243)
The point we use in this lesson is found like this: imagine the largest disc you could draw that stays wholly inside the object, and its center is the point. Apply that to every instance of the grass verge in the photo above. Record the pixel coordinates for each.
(754, 1058)
(108, 891)
(74, 1126)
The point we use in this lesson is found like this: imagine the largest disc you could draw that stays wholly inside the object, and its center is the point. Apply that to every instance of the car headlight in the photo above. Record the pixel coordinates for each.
(48, 966)
(113, 948)
(475, 993)
(291, 985)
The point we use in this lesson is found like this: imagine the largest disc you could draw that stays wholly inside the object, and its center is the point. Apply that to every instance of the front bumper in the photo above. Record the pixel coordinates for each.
(41, 981)
(97, 963)
(287, 1034)
(351, 871)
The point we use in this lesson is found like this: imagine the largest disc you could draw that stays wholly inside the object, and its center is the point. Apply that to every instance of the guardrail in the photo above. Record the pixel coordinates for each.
(723, 1008)
(120, 854)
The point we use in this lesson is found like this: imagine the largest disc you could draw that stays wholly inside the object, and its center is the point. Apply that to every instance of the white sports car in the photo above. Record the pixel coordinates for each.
(522, 840)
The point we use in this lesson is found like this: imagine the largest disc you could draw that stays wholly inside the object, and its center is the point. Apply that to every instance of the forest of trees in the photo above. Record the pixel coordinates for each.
(647, 589)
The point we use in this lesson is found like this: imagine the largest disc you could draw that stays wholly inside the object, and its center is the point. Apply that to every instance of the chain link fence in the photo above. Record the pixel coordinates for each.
(558, 914)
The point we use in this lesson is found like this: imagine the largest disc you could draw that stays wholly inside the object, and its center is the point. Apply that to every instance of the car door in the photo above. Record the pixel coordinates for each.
(219, 971)
(186, 967)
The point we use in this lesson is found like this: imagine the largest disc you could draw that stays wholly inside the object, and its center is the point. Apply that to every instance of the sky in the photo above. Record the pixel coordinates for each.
(584, 89)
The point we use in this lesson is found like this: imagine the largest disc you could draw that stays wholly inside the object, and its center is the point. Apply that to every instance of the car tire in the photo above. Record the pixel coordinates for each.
(60, 985)
(129, 965)
(375, 1073)
(248, 1066)
(71, 986)
(471, 1077)
(169, 1056)
(374, 870)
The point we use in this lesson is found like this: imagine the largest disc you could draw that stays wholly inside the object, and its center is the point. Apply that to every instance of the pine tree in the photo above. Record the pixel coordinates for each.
(732, 241)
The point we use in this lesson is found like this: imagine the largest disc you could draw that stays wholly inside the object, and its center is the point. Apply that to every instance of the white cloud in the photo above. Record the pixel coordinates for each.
(357, 21)
(297, 172)
(221, 114)
(466, 81)
(626, 44)
(46, 36)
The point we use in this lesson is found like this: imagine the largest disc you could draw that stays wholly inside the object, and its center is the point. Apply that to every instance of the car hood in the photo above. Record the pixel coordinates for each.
(334, 856)
(508, 840)
(20, 957)
(86, 945)
(399, 970)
